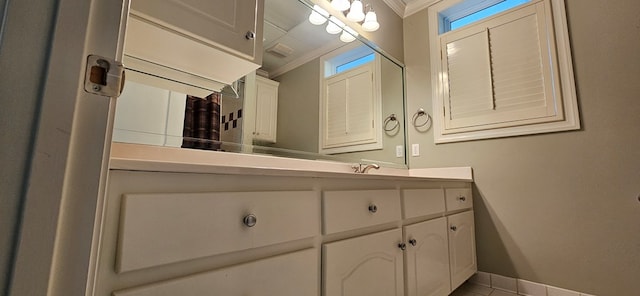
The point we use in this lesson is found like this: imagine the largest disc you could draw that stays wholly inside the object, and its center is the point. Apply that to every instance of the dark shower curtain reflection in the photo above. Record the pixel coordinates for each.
(202, 123)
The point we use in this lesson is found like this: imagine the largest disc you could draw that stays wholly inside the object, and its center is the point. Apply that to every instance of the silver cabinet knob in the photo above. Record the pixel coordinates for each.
(413, 242)
(250, 35)
(373, 208)
(402, 246)
(250, 220)
(462, 198)
(453, 228)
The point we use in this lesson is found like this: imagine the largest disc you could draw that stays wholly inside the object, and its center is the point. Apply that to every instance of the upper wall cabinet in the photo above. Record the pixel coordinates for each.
(219, 40)
(266, 110)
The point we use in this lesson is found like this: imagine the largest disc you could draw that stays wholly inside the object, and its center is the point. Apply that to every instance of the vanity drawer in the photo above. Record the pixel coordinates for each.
(286, 275)
(422, 202)
(162, 228)
(458, 199)
(347, 210)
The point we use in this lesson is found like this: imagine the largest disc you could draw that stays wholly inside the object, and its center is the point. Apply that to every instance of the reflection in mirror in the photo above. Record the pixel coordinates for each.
(315, 97)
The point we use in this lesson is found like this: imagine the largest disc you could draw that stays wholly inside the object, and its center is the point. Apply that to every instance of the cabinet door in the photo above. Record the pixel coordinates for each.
(462, 247)
(345, 210)
(427, 258)
(266, 110)
(223, 23)
(285, 275)
(458, 199)
(369, 265)
(162, 228)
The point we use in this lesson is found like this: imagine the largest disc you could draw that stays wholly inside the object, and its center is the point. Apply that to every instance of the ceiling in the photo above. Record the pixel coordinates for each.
(286, 28)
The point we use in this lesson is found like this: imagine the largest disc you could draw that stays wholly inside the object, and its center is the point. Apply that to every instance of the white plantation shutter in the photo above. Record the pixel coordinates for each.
(469, 76)
(498, 73)
(336, 115)
(349, 105)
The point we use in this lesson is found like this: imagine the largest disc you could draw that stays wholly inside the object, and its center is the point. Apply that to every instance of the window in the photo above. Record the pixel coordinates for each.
(346, 58)
(477, 13)
(355, 63)
(504, 69)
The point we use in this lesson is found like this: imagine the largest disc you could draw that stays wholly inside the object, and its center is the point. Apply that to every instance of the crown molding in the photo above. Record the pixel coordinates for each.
(417, 5)
(398, 6)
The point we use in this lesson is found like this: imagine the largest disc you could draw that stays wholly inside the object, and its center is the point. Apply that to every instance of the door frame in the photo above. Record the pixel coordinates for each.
(68, 168)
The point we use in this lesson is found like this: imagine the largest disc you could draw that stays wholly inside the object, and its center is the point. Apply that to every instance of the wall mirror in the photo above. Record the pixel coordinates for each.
(314, 97)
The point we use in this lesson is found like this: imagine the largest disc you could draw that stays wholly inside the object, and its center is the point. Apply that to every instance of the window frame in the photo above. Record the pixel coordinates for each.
(328, 65)
(555, 14)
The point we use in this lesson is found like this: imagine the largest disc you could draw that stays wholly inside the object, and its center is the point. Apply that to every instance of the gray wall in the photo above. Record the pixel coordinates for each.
(389, 36)
(562, 208)
(24, 48)
(298, 108)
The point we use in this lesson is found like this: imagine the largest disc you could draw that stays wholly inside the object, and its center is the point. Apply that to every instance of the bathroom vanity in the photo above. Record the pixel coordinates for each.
(263, 225)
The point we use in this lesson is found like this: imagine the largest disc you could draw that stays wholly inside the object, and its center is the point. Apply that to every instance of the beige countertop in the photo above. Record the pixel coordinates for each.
(169, 159)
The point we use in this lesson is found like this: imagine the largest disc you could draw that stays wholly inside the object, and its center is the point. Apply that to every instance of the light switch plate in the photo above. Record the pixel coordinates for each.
(415, 149)
(399, 151)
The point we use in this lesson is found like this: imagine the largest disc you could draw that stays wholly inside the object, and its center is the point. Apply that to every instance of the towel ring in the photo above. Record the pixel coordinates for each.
(391, 118)
(417, 116)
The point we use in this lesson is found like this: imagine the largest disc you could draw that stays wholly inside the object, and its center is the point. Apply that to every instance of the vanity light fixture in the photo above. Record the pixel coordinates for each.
(318, 15)
(340, 5)
(335, 25)
(370, 21)
(356, 12)
(348, 34)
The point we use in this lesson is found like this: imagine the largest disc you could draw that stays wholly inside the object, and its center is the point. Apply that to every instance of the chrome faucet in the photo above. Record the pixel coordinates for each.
(362, 168)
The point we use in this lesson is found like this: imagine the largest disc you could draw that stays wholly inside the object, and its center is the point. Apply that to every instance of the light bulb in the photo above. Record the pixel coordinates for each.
(370, 22)
(348, 34)
(340, 5)
(318, 16)
(356, 14)
(334, 26)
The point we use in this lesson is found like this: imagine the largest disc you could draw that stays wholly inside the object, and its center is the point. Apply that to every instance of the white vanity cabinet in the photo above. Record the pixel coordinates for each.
(427, 258)
(440, 250)
(431, 229)
(367, 265)
(462, 247)
(180, 233)
(266, 117)
(427, 254)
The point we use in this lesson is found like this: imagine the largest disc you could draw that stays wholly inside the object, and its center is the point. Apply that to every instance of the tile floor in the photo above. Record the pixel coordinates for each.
(471, 289)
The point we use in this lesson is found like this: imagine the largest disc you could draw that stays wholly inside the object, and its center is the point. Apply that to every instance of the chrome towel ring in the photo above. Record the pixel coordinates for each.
(391, 123)
(416, 116)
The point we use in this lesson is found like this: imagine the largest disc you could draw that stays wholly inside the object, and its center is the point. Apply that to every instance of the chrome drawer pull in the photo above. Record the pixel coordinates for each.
(250, 220)
(373, 208)
(462, 198)
(413, 242)
(402, 246)
(454, 228)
